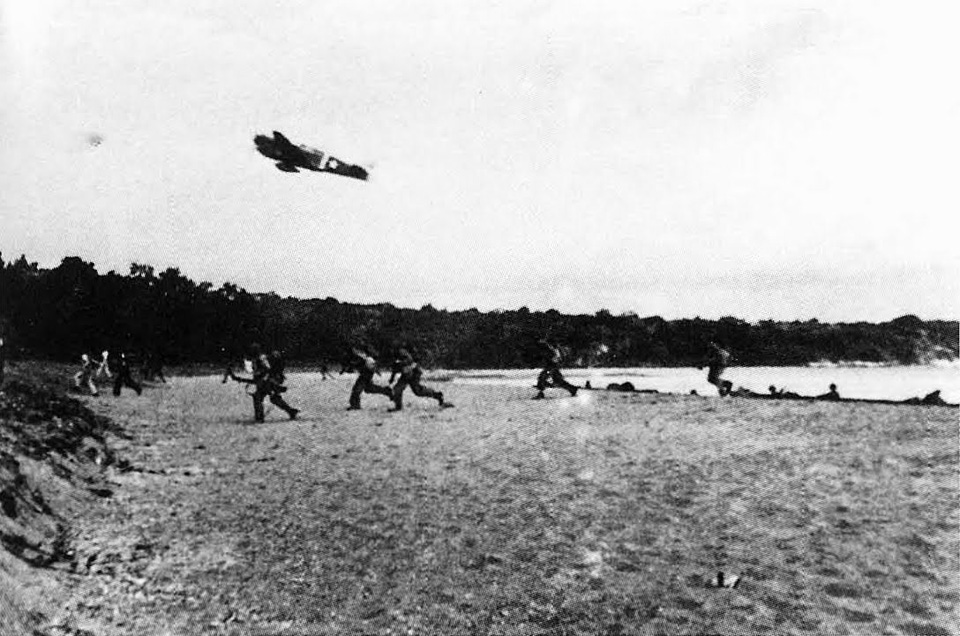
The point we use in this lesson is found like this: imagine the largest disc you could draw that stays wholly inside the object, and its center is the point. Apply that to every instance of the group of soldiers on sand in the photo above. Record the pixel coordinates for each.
(114, 365)
(267, 377)
(404, 365)
(268, 380)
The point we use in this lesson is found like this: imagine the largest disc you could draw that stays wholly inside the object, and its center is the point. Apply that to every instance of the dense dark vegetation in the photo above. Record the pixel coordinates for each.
(60, 312)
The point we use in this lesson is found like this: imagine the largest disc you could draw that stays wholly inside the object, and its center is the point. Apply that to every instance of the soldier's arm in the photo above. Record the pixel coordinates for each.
(236, 378)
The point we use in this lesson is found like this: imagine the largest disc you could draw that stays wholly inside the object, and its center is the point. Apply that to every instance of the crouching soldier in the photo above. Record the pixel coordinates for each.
(410, 374)
(550, 376)
(268, 379)
(366, 366)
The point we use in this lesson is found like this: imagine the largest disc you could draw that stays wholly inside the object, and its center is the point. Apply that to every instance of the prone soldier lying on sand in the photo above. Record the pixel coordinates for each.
(830, 396)
(930, 399)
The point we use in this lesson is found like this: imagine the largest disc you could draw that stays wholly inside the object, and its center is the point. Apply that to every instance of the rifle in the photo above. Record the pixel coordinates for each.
(269, 383)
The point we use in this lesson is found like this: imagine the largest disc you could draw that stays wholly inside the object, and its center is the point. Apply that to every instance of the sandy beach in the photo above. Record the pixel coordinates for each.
(601, 514)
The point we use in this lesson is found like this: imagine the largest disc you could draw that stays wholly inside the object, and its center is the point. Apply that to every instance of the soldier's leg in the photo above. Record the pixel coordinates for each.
(129, 382)
(542, 382)
(117, 383)
(92, 385)
(398, 390)
(542, 378)
(559, 381)
(373, 387)
(279, 401)
(356, 391)
(421, 391)
(258, 405)
(713, 377)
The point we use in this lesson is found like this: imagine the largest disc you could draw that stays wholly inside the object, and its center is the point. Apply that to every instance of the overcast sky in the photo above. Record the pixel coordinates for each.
(761, 159)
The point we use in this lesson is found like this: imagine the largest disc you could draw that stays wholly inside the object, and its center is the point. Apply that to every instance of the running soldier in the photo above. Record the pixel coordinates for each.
(121, 371)
(410, 374)
(104, 368)
(84, 377)
(366, 366)
(552, 357)
(268, 379)
(717, 362)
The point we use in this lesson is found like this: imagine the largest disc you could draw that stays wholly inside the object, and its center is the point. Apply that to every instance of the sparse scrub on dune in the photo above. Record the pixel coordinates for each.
(53, 450)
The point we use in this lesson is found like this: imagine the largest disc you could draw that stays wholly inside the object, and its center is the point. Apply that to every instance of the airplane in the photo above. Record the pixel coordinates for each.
(291, 157)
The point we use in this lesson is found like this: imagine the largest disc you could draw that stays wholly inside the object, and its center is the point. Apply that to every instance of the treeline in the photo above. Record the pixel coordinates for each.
(60, 312)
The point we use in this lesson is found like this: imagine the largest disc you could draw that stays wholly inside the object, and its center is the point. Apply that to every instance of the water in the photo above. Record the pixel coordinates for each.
(864, 382)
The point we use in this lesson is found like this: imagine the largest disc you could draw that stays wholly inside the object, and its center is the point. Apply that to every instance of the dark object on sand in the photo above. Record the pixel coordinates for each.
(830, 396)
(291, 157)
(627, 387)
(724, 580)
(930, 399)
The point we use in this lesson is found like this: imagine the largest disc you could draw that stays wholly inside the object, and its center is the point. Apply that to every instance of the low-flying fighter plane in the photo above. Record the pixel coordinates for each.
(290, 157)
